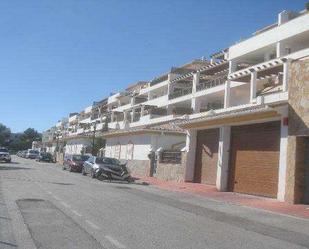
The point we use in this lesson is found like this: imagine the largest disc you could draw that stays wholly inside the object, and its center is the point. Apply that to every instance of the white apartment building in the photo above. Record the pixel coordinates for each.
(143, 109)
(242, 147)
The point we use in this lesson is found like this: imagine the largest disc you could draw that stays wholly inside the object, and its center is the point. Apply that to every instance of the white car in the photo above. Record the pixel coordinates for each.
(5, 155)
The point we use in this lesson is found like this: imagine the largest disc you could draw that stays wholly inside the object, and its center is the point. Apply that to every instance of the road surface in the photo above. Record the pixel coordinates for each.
(42, 206)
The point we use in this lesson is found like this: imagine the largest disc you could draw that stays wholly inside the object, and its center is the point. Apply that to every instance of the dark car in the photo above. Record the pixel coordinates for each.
(74, 162)
(45, 157)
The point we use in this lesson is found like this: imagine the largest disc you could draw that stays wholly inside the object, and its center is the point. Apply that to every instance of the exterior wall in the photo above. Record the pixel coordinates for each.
(51, 149)
(170, 172)
(189, 155)
(287, 30)
(298, 132)
(135, 150)
(139, 167)
(299, 98)
(166, 141)
(75, 146)
(130, 147)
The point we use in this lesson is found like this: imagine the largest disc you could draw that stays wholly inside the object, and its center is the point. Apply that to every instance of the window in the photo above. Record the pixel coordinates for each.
(108, 160)
(91, 159)
(3, 150)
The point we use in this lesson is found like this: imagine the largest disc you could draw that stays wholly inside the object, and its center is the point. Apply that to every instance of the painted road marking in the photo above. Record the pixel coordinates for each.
(92, 225)
(76, 213)
(57, 198)
(65, 204)
(115, 242)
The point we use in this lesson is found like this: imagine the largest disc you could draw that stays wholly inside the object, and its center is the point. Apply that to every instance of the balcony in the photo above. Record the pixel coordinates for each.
(80, 130)
(73, 119)
(270, 84)
(211, 83)
(180, 93)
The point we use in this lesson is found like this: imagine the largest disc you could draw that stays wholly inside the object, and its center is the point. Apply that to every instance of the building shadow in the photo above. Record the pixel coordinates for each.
(11, 168)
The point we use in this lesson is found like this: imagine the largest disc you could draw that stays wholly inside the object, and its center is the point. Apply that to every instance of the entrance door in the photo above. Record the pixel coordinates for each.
(206, 156)
(254, 159)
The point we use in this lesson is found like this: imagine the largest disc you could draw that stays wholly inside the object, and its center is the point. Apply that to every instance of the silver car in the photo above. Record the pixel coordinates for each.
(5, 155)
(32, 154)
(92, 165)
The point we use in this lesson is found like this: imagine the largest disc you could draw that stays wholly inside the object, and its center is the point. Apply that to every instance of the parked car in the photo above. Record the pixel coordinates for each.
(5, 155)
(106, 168)
(91, 166)
(32, 154)
(74, 162)
(24, 153)
(45, 157)
(113, 169)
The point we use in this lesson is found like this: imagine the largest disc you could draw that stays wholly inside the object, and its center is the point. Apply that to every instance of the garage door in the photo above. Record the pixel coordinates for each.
(254, 159)
(206, 156)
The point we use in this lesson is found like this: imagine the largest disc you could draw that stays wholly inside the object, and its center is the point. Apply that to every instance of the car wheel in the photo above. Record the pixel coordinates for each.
(130, 180)
(70, 168)
(83, 171)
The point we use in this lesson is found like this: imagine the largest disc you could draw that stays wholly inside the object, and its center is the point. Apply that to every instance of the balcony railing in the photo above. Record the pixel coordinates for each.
(158, 80)
(140, 100)
(211, 83)
(212, 106)
(180, 93)
(95, 116)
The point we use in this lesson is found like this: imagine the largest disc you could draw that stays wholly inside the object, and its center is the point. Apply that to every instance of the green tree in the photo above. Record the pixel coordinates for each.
(5, 134)
(28, 136)
(98, 144)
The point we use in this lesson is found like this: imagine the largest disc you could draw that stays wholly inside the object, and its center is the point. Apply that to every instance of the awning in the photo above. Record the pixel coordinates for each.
(231, 117)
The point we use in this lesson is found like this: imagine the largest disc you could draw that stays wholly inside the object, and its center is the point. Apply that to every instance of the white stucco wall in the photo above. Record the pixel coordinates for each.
(165, 141)
(287, 30)
(135, 147)
(75, 146)
(51, 149)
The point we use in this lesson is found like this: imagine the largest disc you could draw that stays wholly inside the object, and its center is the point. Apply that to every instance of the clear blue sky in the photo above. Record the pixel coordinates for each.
(57, 56)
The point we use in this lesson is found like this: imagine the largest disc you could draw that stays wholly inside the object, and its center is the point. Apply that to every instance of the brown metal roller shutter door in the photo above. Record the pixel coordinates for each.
(206, 156)
(254, 159)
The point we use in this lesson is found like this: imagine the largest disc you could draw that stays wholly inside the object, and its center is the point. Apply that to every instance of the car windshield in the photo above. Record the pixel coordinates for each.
(33, 152)
(108, 160)
(3, 150)
(80, 158)
(45, 154)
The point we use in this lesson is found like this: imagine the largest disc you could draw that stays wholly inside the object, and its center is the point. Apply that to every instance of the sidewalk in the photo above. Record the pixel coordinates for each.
(7, 239)
(208, 191)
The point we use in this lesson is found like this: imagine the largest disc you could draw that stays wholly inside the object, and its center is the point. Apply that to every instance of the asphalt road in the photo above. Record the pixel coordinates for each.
(42, 206)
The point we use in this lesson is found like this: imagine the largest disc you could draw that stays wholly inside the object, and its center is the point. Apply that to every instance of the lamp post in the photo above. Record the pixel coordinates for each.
(93, 136)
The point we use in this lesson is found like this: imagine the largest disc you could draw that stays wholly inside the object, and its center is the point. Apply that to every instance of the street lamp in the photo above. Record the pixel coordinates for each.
(93, 136)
